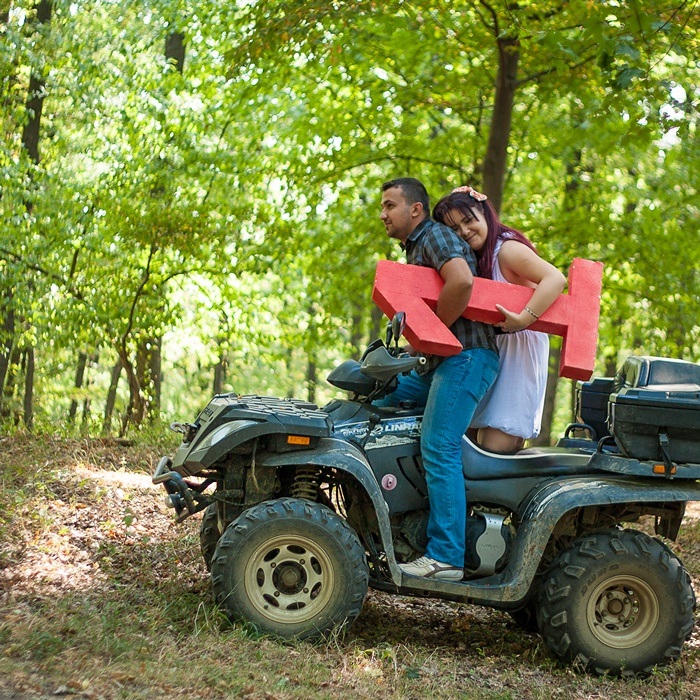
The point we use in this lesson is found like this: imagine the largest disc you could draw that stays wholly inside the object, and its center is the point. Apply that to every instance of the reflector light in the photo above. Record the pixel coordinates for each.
(298, 440)
(661, 469)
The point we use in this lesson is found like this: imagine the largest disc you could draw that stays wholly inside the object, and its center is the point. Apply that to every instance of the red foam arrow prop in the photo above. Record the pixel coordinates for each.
(574, 316)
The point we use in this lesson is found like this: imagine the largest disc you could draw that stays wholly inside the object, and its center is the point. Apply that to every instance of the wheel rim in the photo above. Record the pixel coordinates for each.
(623, 611)
(289, 579)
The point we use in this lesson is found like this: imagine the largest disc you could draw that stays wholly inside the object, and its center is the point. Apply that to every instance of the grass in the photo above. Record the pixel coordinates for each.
(103, 596)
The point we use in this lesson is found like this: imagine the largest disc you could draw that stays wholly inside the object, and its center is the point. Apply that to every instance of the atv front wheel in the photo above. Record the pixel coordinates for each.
(209, 534)
(616, 601)
(526, 617)
(291, 567)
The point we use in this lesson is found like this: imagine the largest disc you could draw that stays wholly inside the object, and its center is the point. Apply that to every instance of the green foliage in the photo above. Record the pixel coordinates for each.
(231, 209)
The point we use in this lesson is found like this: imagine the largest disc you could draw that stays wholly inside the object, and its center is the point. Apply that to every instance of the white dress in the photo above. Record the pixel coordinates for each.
(515, 401)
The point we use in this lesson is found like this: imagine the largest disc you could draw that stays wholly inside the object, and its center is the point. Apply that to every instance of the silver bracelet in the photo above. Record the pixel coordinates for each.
(531, 312)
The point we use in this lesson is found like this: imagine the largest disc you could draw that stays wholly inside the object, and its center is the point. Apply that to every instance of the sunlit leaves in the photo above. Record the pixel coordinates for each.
(238, 200)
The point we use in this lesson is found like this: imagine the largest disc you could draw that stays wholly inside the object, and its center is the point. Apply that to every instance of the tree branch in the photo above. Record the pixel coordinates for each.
(680, 31)
(495, 27)
(137, 296)
(548, 71)
(392, 157)
(9, 255)
(214, 174)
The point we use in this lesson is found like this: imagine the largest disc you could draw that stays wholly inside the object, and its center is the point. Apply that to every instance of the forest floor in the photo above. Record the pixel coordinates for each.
(102, 595)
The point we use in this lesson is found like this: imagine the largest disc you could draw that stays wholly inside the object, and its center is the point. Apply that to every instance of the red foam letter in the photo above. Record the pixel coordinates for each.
(574, 316)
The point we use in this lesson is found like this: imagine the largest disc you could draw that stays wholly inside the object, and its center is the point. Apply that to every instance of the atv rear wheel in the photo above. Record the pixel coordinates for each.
(209, 534)
(616, 602)
(291, 567)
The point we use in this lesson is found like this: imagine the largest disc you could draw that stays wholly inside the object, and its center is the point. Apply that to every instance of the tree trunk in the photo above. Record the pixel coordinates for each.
(28, 404)
(148, 377)
(610, 366)
(111, 397)
(311, 378)
(144, 374)
(144, 378)
(220, 374)
(175, 50)
(222, 342)
(137, 409)
(550, 396)
(573, 168)
(8, 392)
(7, 342)
(356, 335)
(30, 141)
(378, 323)
(312, 354)
(78, 384)
(35, 98)
(92, 361)
(155, 375)
(126, 418)
(572, 397)
(496, 158)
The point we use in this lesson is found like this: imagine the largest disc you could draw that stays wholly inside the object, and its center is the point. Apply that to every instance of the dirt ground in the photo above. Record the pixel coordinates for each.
(96, 545)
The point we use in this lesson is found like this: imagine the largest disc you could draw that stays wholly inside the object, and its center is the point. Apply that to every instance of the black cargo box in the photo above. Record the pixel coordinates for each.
(644, 370)
(639, 419)
(592, 404)
(655, 404)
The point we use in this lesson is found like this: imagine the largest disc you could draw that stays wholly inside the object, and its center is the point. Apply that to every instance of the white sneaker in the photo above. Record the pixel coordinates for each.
(425, 567)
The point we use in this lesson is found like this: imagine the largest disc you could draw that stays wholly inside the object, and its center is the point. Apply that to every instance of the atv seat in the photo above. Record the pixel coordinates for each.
(478, 464)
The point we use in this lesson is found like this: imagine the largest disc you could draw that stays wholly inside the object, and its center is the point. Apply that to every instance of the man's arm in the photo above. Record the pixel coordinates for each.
(455, 295)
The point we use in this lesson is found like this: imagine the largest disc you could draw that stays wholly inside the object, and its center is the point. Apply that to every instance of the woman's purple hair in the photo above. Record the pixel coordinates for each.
(466, 205)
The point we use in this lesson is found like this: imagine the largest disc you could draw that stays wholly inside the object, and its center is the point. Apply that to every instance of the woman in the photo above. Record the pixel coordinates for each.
(511, 411)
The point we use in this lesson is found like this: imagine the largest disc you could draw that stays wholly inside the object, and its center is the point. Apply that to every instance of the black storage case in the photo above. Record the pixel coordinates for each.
(645, 370)
(592, 404)
(655, 405)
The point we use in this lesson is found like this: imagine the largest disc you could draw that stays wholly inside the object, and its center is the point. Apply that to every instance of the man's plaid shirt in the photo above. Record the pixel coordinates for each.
(431, 245)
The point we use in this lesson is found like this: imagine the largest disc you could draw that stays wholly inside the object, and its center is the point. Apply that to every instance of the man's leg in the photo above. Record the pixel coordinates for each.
(458, 384)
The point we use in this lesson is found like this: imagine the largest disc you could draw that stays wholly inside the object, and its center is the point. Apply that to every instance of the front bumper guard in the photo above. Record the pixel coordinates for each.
(181, 496)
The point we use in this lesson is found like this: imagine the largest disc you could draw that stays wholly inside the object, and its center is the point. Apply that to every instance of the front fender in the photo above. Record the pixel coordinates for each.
(191, 459)
(230, 420)
(348, 458)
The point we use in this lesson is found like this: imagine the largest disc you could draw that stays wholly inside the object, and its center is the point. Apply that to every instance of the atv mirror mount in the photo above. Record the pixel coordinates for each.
(398, 323)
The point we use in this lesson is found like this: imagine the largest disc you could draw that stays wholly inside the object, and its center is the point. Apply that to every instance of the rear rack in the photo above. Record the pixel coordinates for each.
(634, 467)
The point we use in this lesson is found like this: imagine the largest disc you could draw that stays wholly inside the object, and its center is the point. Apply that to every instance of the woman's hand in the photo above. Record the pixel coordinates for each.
(513, 322)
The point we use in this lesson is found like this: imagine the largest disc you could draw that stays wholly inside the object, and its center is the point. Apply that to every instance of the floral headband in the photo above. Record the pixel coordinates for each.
(471, 192)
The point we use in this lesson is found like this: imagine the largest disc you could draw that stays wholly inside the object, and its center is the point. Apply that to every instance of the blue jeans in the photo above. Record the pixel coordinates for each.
(450, 394)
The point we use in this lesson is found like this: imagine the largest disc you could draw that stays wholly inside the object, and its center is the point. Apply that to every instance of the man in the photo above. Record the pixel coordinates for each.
(449, 387)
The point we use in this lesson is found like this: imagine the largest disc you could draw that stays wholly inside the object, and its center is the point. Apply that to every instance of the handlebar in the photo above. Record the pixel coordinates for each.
(380, 364)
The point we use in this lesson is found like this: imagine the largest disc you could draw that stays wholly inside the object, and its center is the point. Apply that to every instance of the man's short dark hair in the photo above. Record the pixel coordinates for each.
(413, 191)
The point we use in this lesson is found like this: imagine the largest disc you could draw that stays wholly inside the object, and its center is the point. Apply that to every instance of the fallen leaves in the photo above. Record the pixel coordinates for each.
(103, 596)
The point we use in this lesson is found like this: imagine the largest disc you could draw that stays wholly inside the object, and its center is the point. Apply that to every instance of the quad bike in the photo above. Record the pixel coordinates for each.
(305, 507)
